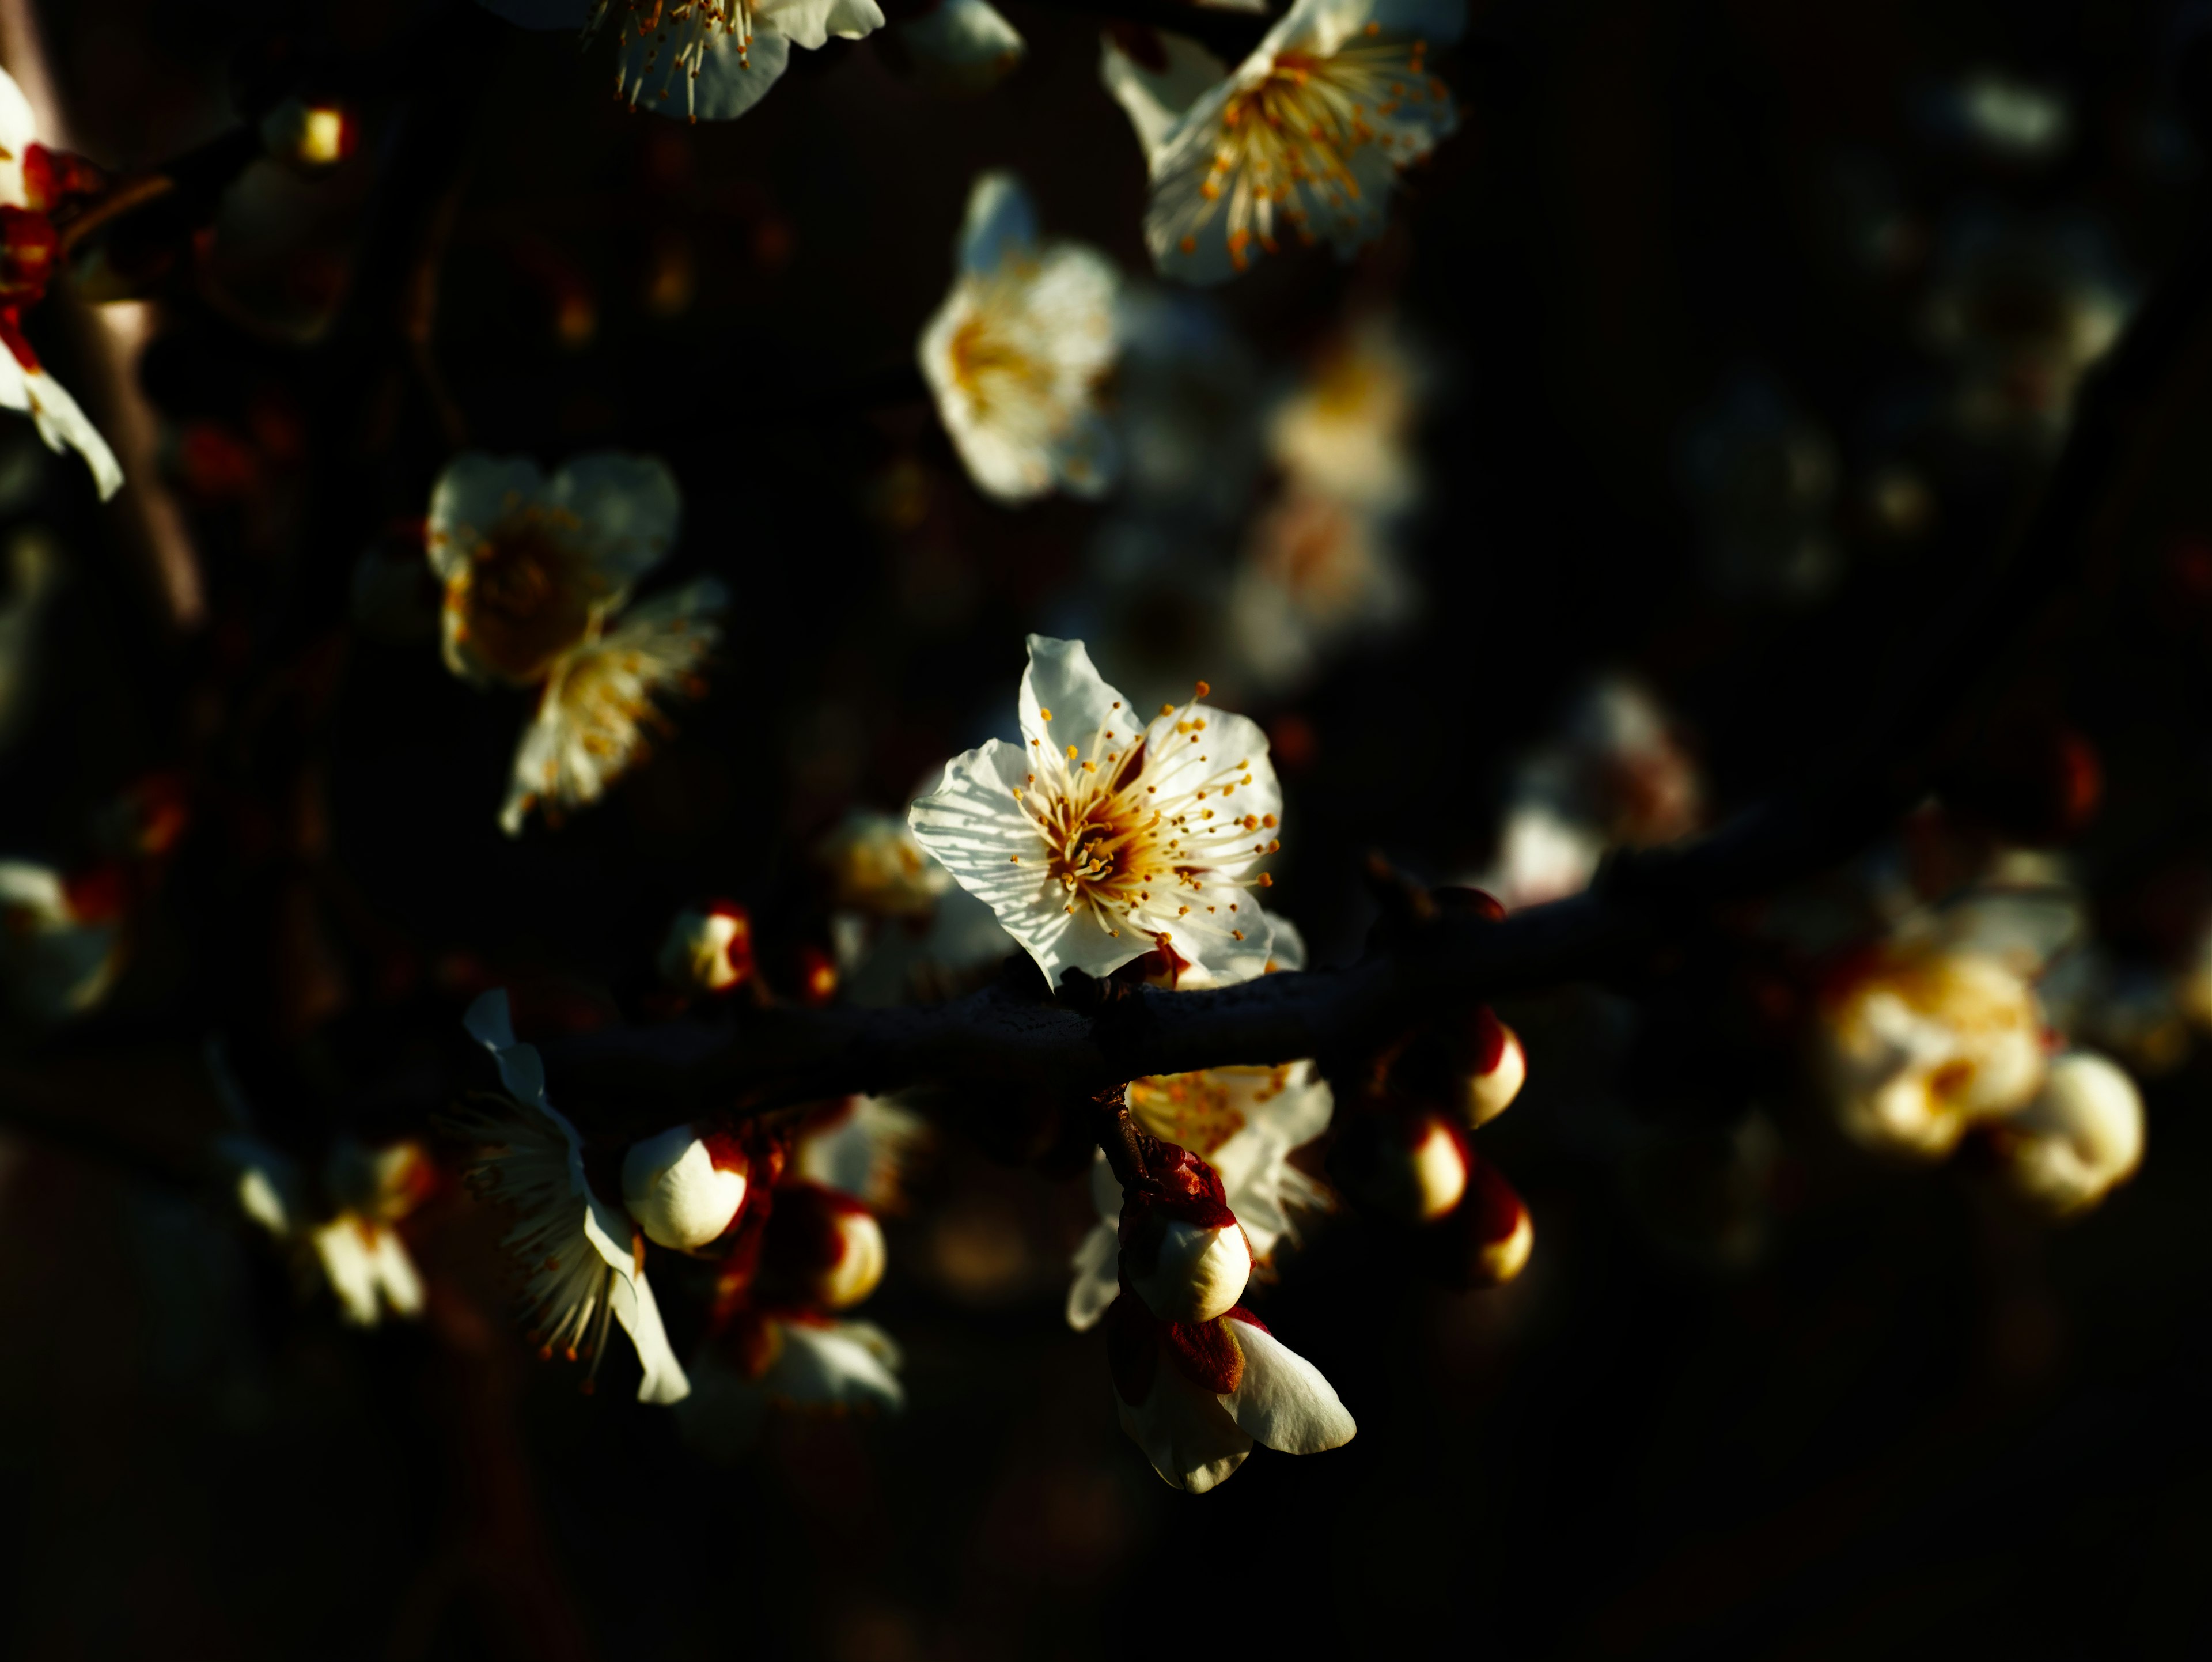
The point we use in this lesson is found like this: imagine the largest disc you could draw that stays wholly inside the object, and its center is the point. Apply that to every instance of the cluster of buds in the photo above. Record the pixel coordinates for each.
(710, 952)
(1198, 1378)
(1404, 1153)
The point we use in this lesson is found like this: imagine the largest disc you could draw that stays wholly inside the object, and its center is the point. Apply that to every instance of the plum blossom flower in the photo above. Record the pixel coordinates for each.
(1244, 1121)
(1307, 135)
(1015, 354)
(348, 1227)
(723, 55)
(1137, 836)
(1919, 1040)
(2081, 1136)
(34, 181)
(601, 699)
(876, 868)
(538, 575)
(1196, 1396)
(862, 1146)
(792, 1360)
(61, 939)
(583, 1254)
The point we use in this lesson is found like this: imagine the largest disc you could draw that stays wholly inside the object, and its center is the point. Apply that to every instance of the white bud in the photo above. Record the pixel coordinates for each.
(707, 951)
(1435, 1174)
(1488, 1095)
(679, 1195)
(1195, 1275)
(860, 1265)
(2083, 1135)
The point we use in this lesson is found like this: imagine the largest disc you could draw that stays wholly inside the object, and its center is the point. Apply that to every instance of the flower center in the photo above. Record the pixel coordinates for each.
(988, 364)
(528, 598)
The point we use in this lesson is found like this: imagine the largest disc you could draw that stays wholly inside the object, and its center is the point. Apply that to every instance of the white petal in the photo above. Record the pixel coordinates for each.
(19, 130)
(664, 1381)
(963, 47)
(394, 1272)
(809, 23)
(1283, 1401)
(1186, 1432)
(60, 422)
(628, 509)
(841, 1366)
(1097, 1283)
(1060, 679)
(344, 1257)
(1154, 99)
(1000, 224)
(472, 496)
(729, 81)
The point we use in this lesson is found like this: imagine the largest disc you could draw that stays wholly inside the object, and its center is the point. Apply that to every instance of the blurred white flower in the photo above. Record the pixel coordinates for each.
(959, 48)
(876, 867)
(32, 185)
(804, 1363)
(1244, 1121)
(1139, 835)
(582, 1254)
(347, 1227)
(1015, 354)
(1317, 570)
(1304, 138)
(532, 565)
(61, 941)
(720, 56)
(1195, 1397)
(600, 700)
(1346, 428)
(2081, 1136)
(863, 1148)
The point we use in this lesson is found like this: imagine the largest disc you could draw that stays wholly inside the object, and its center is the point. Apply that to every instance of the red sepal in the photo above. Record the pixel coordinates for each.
(1207, 1354)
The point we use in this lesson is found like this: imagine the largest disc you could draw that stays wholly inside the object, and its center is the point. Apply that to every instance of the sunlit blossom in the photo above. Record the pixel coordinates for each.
(1304, 140)
(346, 1226)
(2080, 1135)
(797, 1362)
(582, 1256)
(34, 182)
(1015, 354)
(1244, 1121)
(1196, 1396)
(1105, 834)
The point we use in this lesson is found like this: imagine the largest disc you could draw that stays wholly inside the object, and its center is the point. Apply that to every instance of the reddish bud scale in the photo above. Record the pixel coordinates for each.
(29, 250)
(12, 337)
(1206, 1353)
(807, 1239)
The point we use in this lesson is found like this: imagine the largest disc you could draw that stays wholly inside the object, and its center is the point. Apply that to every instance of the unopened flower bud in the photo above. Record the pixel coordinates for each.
(2080, 1138)
(824, 1247)
(1497, 1067)
(1412, 1169)
(1186, 1271)
(1500, 1232)
(709, 951)
(681, 1194)
(309, 134)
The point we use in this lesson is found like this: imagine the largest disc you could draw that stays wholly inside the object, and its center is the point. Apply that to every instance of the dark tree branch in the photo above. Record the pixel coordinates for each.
(1926, 709)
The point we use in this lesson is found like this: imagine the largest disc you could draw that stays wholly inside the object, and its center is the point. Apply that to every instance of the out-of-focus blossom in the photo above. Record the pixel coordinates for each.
(1196, 1396)
(348, 1227)
(1015, 354)
(602, 699)
(581, 1253)
(959, 48)
(1244, 1122)
(2081, 1136)
(708, 951)
(1316, 570)
(1919, 1040)
(803, 1363)
(865, 1147)
(1305, 138)
(1617, 777)
(709, 60)
(876, 867)
(824, 1247)
(61, 939)
(1347, 429)
(2023, 309)
(34, 181)
(2001, 115)
(1762, 476)
(1134, 837)
(533, 565)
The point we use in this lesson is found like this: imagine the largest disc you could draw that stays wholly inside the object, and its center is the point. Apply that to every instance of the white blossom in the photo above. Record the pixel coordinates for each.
(2080, 1135)
(347, 1227)
(582, 1254)
(959, 48)
(1306, 137)
(31, 250)
(1105, 835)
(1244, 1121)
(1015, 356)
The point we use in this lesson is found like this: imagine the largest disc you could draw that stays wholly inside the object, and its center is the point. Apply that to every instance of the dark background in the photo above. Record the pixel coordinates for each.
(1909, 1420)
